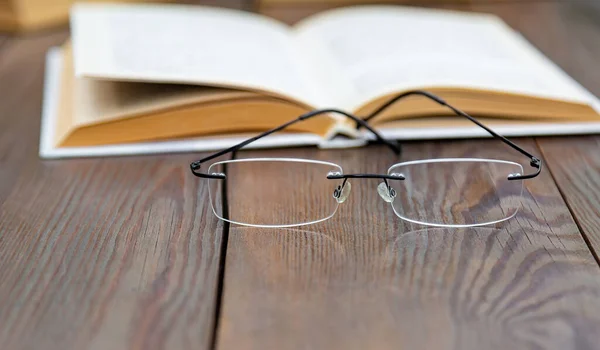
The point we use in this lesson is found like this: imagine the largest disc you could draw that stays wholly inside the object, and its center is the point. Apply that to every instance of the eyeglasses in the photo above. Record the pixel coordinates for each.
(446, 192)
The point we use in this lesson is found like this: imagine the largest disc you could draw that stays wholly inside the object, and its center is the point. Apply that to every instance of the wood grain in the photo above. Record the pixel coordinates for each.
(367, 280)
(118, 253)
(21, 76)
(572, 42)
(575, 166)
(124, 252)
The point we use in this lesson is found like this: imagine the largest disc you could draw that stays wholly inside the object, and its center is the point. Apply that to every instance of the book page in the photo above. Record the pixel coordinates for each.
(187, 44)
(378, 50)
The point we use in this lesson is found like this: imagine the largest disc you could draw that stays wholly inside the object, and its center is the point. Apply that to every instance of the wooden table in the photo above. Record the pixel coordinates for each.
(125, 253)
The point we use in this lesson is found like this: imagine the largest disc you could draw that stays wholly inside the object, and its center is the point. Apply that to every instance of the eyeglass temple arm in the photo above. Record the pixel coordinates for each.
(534, 161)
(195, 166)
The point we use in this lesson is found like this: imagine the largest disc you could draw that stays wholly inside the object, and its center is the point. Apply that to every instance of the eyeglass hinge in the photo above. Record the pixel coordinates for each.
(536, 163)
(195, 165)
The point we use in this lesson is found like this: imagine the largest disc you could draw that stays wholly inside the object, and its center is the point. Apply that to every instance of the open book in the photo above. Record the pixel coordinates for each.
(164, 78)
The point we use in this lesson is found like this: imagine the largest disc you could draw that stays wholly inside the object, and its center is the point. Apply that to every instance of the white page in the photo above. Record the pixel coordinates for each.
(186, 44)
(375, 50)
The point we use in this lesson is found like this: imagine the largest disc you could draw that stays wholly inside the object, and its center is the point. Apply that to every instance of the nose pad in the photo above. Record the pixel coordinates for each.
(387, 193)
(341, 193)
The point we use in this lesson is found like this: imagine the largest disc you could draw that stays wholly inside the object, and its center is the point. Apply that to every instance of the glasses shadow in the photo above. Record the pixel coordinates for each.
(486, 283)
(329, 254)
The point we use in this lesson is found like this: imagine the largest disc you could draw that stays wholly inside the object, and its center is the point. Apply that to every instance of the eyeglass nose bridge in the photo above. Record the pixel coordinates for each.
(385, 191)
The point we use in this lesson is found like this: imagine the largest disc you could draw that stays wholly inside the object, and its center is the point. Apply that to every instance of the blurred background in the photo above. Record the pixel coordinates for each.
(32, 15)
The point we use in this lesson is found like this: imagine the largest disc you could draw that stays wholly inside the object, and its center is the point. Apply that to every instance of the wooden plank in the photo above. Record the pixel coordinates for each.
(572, 42)
(21, 79)
(367, 280)
(575, 166)
(99, 253)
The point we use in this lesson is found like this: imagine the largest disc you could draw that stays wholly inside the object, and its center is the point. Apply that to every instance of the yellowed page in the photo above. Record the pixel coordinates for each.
(187, 44)
(371, 51)
(101, 112)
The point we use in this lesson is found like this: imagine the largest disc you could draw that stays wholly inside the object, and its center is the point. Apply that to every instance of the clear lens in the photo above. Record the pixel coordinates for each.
(274, 192)
(456, 192)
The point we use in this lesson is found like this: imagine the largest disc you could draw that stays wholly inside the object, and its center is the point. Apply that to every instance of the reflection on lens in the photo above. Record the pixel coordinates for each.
(457, 192)
(274, 192)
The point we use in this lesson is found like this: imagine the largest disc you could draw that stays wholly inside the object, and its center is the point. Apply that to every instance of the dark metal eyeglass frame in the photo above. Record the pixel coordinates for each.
(534, 162)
